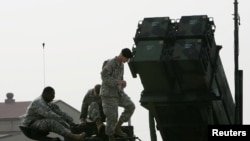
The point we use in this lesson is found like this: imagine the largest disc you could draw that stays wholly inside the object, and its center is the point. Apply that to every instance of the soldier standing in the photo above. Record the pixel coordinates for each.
(44, 115)
(92, 107)
(113, 95)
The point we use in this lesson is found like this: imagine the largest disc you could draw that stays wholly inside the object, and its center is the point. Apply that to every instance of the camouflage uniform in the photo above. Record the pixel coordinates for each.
(113, 96)
(47, 117)
(92, 107)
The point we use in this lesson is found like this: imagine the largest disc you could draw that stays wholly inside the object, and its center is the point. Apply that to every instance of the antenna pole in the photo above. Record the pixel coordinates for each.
(43, 65)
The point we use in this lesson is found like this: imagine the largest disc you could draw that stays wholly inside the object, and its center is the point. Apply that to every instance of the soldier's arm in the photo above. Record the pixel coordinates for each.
(85, 105)
(55, 108)
(44, 110)
(107, 77)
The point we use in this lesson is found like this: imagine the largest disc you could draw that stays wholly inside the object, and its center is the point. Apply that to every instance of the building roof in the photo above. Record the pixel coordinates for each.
(7, 134)
(14, 109)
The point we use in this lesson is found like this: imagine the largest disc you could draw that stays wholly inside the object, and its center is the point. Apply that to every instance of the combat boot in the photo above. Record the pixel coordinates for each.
(118, 130)
(77, 137)
(99, 124)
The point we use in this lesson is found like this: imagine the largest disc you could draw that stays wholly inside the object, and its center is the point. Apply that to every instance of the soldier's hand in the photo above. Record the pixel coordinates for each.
(72, 125)
(122, 83)
(83, 122)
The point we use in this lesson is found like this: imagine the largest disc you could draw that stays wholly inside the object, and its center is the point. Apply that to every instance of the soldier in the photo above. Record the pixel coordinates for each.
(113, 95)
(44, 115)
(92, 107)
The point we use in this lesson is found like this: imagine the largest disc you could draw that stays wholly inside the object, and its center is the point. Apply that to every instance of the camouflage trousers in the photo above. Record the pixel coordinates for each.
(110, 108)
(94, 111)
(51, 125)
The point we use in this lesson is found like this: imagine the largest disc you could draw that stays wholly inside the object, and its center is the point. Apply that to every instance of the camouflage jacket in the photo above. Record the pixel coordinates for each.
(87, 100)
(112, 72)
(39, 109)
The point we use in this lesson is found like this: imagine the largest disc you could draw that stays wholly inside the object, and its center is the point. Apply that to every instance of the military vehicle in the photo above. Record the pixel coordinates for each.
(185, 88)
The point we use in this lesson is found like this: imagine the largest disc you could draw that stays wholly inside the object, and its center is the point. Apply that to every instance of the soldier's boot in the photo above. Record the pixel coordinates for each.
(77, 137)
(112, 138)
(99, 124)
(118, 130)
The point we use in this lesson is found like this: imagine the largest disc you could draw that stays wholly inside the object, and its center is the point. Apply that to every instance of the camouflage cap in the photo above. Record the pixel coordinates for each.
(126, 52)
